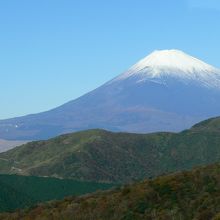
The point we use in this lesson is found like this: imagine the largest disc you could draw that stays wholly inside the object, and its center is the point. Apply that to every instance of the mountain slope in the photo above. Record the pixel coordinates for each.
(20, 191)
(187, 195)
(166, 91)
(98, 155)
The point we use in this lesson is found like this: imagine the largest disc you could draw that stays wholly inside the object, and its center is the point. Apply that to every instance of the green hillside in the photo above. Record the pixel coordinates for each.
(98, 155)
(20, 191)
(193, 195)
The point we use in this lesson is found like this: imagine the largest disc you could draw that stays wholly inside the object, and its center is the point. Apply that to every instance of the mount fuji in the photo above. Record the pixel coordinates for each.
(166, 91)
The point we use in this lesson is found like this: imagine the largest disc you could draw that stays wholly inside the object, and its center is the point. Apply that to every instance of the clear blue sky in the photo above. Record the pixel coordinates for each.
(52, 51)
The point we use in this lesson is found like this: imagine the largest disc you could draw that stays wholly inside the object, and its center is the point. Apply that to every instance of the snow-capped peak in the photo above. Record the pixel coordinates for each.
(172, 60)
(176, 64)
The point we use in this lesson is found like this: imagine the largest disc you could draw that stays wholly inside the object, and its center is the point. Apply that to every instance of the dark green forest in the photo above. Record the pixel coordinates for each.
(186, 195)
(21, 191)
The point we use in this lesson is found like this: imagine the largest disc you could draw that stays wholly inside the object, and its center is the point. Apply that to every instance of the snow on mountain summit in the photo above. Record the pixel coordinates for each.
(172, 60)
(174, 63)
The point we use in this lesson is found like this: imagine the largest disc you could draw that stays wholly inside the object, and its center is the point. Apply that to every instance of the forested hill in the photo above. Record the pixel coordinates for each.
(185, 195)
(98, 155)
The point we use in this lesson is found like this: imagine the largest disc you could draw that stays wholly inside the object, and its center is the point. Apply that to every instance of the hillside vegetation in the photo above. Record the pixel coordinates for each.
(186, 196)
(98, 155)
(20, 191)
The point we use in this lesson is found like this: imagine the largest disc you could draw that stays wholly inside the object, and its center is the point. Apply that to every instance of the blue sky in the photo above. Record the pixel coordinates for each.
(52, 51)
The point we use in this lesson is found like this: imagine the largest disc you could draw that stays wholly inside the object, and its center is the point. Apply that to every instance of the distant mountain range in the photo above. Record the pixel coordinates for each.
(166, 91)
(187, 195)
(102, 156)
